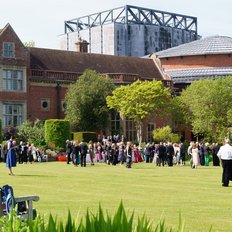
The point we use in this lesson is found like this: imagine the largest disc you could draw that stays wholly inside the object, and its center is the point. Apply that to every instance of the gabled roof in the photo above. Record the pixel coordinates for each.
(69, 61)
(207, 46)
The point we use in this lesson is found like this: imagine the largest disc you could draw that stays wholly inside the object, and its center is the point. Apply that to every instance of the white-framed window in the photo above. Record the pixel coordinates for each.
(8, 50)
(131, 134)
(12, 80)
(150, 128)
(12, 114)
(45, 104)
(115, 123)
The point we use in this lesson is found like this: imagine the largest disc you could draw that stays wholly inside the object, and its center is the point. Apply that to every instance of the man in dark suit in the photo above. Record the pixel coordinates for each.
(170, 154)
(68, 151)
(84, 150)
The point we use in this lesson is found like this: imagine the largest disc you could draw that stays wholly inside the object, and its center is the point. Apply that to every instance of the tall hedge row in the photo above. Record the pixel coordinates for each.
(57, 132)
(86, 136)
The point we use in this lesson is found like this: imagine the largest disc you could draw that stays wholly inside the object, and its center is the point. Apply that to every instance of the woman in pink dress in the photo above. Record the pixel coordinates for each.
(99, 152)
(91, 152)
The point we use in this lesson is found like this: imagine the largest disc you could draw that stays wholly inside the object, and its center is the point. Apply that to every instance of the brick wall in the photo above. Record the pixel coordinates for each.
(197, 61)
(40, 93)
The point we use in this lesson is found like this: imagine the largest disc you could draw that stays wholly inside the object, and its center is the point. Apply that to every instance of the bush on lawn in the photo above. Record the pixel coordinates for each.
(57, 132)
(86, 136)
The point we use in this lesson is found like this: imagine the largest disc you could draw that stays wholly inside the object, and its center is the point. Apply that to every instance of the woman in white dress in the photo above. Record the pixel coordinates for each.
(195, 155)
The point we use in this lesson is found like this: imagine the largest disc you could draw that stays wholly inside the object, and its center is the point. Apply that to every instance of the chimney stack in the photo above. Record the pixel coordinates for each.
(82, 46)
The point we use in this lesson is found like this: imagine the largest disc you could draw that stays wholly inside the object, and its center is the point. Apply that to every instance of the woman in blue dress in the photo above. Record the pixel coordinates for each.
(11, 155)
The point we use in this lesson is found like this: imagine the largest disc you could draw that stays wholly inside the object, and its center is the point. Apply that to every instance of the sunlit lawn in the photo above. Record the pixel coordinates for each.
(158, 191)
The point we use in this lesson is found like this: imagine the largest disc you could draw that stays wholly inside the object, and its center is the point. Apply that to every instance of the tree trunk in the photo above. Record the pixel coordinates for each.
(139, 132)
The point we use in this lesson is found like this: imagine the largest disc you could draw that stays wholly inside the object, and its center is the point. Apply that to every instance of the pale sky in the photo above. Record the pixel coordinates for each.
(43, 20)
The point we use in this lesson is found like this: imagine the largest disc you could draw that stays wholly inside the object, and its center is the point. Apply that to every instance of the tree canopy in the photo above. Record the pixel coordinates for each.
(86, 101)
(165, 134)
(32, 132)
(208, 105)
(139, 99)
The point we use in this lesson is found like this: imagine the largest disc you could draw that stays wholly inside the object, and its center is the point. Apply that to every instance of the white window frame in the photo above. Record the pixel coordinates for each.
(12, 114)
(13, 80)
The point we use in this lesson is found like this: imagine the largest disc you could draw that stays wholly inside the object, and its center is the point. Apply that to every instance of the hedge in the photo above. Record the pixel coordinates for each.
(57, 132)
(86, 136)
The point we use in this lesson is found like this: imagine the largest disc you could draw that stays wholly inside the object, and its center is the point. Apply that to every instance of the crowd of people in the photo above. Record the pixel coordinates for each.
(24, 153)
(112, 151)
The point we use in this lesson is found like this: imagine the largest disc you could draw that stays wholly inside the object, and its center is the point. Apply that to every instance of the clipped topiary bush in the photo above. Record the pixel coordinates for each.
(57, 131)
(86, 136)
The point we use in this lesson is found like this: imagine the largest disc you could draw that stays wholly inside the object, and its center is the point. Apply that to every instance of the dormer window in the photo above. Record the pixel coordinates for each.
(8, 50)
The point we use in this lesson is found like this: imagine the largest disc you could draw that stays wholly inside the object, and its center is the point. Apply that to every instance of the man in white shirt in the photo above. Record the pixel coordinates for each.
(225, 154)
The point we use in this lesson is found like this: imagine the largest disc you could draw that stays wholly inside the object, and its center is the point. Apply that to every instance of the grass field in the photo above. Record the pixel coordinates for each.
(157, 191)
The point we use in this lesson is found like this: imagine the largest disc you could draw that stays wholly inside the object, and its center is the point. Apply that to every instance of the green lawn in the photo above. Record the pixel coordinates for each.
(158, 191)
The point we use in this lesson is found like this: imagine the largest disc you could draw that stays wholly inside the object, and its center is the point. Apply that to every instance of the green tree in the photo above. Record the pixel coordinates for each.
(139, 100)
(29, 44)
(165, 134)
(86, 101)
(32, 132)
(208, 105)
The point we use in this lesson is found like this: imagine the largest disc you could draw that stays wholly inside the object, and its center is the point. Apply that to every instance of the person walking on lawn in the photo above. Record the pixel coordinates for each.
(225, 154)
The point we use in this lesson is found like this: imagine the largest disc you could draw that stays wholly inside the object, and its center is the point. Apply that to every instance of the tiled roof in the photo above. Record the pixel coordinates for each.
(189, 74)
(206, 46)
(69, 61)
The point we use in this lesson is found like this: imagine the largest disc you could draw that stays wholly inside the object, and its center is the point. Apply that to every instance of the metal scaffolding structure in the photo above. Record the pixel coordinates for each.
(130, 31)
(133, 15)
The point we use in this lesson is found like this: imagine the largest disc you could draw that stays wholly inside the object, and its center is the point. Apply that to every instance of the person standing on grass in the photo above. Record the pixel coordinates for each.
(76, 153)
(195, 155)
(170, 154)
(215, 149)
(225, 154)
(84, 150)
(182, 154)
(11, 155)
(68, 151)
(128, 155)
(91, 152)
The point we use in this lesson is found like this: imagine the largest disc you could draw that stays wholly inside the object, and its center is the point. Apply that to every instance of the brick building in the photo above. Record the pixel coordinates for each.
(205, 58)
(208, 57)
(33, 81)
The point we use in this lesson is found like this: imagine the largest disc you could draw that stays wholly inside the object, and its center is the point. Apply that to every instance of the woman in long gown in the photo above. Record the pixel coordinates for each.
(195, 156)
(11, 156)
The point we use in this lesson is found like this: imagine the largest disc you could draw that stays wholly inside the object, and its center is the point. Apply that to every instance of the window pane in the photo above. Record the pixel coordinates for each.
(12, 114)
(8, 50)
(12, 80)
(20, 75)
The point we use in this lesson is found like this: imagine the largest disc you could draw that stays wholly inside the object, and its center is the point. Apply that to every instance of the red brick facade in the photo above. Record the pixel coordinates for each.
(215, 60)
(33, 81)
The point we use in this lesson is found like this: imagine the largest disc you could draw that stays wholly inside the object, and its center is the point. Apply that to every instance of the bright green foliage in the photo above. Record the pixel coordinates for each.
(86, 136)
(140, 99)
(86, 101)
(32, 132)
(165, 134)
(209, 103)
(100, 221)
(29, 44)
(57, 132)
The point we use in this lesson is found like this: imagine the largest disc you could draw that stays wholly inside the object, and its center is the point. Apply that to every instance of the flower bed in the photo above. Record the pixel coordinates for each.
(61, 158)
